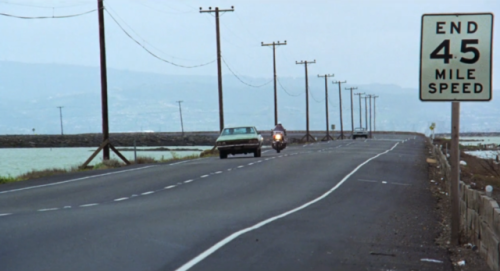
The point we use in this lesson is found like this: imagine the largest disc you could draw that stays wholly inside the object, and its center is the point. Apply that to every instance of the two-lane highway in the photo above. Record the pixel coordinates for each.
(339, 205)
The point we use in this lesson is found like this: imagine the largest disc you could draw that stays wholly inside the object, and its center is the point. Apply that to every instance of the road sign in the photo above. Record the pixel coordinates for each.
(456, 57)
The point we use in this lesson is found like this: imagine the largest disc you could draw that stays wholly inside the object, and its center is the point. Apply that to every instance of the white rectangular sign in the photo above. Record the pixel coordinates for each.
(456, 57)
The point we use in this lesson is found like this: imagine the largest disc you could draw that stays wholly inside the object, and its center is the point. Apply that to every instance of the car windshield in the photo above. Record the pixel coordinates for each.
(238, 131)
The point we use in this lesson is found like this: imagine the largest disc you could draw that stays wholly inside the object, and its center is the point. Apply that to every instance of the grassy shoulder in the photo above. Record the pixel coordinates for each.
(109, 164)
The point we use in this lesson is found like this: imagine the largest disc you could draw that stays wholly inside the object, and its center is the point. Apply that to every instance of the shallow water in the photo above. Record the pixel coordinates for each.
(16, 161)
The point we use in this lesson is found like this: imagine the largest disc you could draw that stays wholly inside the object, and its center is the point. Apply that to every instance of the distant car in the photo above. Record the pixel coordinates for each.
(360, 132)
(238, 140)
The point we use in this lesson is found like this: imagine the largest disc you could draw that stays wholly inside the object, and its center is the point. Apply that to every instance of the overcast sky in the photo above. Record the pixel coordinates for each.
(359, 41)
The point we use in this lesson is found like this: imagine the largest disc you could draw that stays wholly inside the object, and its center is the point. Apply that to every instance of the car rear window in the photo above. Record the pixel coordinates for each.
(238, 131)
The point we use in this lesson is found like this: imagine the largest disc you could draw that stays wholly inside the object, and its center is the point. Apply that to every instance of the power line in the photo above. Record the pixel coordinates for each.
(312, 96)
(290, 94)
(237, 77)
(37, 6)
(153, 54)
(47, 17)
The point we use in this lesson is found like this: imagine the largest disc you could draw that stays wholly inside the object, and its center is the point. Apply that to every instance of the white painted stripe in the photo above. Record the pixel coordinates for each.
(250, 164)
(67, 207)
(384, 182)
(218, 172)
(233, 236)
(6, 214)
(203, 176)
(228, 169)
(48, 209)
(89, 205)
(170, 186)
(265, 151)
(74, 180)
(147, 193)
(188, 181)
(431, 260)
(240, 166)
(260, 161)
(120, 199)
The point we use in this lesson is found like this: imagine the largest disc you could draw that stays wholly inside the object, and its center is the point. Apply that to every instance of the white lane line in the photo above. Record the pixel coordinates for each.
(240, 166)
(188, 181)
(120, 199)
(6, 214)
(204, 176)
(366, 140)
(384, 182)
(260, 161)
(267, 159)
(250, 164)
(89, 205)
(235, 235)
(265, 151)
(147, 193)
(218, 172)
(229, 169)
(48, 209)
(74, 180)
(348, 144)
(67, 207)
(170, 186)
(370, 181)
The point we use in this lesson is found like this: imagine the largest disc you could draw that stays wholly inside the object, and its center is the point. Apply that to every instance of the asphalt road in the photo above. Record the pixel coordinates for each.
(341, 205)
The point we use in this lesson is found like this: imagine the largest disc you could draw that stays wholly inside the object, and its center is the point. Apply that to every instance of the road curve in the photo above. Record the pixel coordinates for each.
(339, 205)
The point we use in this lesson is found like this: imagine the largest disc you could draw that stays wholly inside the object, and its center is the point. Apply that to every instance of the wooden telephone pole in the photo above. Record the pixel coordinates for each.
(360, 114)
(106, 144)
(274, 44)
(308, 135)
(340, 103)
(352, 111)
(327, 137)
(219, 63)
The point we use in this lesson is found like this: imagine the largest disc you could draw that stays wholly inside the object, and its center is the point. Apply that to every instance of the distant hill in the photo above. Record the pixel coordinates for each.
(147, 102)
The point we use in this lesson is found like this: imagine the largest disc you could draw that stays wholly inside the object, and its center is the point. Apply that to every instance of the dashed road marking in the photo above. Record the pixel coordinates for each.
(170, 186)
(204, 176)
(240, 166)
(218, 172)
(89, 205)
(67, 207)
(188, 181)
(48, 209)
(120, 199)
(147, 193)
(250, 164)
(384, 182)
(6, 214)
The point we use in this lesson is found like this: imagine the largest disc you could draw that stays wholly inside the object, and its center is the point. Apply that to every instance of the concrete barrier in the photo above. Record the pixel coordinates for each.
(480, 217)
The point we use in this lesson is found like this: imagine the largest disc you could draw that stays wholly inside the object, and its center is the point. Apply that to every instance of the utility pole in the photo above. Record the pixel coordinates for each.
(340, 103)
(308, 135)
(180, 112)
(366, 112)
(219, 63)
(360, 118)
(104, 80)
(60, 116)
(274, 69)
(374, 113)
(352, 110)
(105, 145)
(327, 137)
(370, 96)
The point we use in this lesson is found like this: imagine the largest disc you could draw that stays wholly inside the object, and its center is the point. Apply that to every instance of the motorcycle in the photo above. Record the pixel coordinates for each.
(279, 142)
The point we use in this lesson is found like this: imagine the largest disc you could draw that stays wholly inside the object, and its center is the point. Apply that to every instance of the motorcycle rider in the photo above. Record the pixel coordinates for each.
(279, 127)
(279, 139)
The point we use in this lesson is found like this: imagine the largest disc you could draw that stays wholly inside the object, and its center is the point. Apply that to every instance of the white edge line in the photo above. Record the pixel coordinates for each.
(73, 180)
(233, 236)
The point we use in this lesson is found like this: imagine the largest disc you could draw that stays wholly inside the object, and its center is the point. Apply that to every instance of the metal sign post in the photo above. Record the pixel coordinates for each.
(455, 66)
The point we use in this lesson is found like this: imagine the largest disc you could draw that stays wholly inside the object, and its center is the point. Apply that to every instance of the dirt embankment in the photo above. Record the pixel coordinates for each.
(117, 139)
